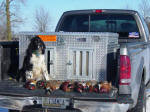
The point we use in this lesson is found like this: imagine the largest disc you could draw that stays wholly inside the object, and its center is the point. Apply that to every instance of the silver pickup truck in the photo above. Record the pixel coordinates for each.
(134, 51)
(102, 45)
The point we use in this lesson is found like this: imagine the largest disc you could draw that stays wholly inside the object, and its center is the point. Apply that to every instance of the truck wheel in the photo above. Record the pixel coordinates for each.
(141, 102)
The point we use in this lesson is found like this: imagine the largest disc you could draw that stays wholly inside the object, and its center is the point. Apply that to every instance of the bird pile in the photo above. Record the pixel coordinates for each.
(71, 86)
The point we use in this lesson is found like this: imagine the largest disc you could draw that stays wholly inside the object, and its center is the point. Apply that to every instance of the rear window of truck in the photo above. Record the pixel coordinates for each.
(123, 24)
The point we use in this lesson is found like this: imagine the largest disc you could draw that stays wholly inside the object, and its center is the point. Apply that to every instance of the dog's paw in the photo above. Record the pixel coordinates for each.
(47, 76)
(29, 75)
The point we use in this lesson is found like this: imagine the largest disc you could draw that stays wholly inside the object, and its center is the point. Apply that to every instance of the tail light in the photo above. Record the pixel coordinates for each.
(98, 11)
(125, 70)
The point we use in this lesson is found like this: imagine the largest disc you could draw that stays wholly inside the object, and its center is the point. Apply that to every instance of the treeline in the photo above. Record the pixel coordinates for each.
(11, 18)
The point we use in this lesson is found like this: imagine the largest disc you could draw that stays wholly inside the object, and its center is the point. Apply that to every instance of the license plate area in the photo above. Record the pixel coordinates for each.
(61, 103)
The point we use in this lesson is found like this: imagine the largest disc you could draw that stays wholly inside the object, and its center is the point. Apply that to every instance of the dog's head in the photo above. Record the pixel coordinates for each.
(36, 45)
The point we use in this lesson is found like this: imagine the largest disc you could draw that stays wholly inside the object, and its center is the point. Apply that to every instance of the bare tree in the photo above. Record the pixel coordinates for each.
(2, 5)
(144, 8)
(42, 20)
(2, 21)
(8, 11)
(2, 28)
(9, 35)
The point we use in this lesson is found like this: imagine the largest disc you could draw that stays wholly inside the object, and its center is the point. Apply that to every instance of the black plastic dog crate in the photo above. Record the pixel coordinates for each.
(9, 59)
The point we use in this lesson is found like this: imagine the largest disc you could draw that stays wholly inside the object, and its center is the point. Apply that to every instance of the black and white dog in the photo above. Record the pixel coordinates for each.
(34, 67)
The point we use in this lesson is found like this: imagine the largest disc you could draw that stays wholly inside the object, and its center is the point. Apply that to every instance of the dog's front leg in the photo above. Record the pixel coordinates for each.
(45, 73)
(29, 75)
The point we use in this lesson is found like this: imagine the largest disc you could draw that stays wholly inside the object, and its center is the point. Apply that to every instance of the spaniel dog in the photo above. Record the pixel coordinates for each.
(34, 67)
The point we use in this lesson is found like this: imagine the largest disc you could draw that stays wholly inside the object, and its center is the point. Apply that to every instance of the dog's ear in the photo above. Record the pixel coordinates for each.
(42, 45)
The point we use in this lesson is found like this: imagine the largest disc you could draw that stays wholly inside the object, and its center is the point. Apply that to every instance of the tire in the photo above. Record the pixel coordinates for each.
(141, 101)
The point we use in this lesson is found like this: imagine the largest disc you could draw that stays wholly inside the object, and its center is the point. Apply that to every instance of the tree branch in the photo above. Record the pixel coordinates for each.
(42, 20)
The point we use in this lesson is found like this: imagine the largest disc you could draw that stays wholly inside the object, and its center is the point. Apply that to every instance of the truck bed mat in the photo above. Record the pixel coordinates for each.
(12, 88)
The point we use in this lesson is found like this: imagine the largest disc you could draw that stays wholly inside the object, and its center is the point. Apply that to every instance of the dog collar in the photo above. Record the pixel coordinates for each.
(36, 52)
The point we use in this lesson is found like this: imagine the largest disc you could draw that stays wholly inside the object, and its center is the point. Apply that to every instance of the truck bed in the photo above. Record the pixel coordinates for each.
(14, 96)
(12, 88)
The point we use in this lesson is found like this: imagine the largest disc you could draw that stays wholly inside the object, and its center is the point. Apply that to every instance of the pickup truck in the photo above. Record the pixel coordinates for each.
(130, 68)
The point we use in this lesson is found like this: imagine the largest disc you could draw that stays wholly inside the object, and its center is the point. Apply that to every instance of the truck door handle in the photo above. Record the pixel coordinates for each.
(69, 63)
(51, 62)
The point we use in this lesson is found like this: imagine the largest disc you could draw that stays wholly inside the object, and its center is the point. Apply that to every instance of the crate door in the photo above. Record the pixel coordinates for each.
(80, 64)
(49, 54)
